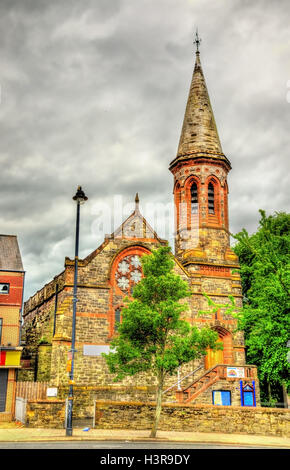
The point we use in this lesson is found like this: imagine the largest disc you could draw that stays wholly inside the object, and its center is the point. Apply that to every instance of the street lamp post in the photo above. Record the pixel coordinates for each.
(80, 198)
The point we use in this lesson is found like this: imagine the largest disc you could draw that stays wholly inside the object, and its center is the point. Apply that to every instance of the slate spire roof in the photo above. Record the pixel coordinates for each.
(199, 135)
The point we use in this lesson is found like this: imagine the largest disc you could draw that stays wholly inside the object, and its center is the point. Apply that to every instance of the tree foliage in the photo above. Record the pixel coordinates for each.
(229, 308)
(264, 260)
(152, 335)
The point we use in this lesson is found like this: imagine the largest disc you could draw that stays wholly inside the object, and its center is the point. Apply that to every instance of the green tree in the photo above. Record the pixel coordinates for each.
(152, 336)
(264, 259)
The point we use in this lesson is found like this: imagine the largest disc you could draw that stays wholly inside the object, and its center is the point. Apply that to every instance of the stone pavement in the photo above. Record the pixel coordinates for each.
(13, 432)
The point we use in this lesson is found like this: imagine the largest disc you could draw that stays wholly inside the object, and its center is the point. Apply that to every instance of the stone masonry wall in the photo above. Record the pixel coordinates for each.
(37, 330)
(85, 396)
(195, 418)
(45, 414)
(43, 363)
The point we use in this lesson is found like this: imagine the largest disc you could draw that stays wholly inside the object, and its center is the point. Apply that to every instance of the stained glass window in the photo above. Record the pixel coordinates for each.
(123, 267)
(123, 283)
(136, 276)
(135, 260)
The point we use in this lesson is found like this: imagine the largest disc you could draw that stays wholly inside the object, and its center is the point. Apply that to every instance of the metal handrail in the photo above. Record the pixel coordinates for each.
(181, 380)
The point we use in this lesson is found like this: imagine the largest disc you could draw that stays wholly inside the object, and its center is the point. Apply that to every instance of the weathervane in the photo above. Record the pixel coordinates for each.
(197, 40)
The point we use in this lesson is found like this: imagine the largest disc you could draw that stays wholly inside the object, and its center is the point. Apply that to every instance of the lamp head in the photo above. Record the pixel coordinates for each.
(80, 196)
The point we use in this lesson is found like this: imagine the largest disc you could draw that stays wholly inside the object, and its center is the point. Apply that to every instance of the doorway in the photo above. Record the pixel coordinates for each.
(3, 388)
(220, 356)
(214, 357)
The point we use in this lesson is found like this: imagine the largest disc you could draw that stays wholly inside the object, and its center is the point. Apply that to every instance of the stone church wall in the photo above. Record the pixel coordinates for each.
(97, 299)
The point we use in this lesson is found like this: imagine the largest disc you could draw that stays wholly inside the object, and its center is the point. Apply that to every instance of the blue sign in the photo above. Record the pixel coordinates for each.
(222, 397)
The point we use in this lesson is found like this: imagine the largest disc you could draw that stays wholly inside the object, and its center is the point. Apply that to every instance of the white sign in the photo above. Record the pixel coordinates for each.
(218, 398)
(236, 372)
(51, 392)
(93, 350)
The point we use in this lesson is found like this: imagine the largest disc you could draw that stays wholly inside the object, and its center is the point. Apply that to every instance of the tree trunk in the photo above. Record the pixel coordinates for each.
(270, 393)
(158, 405)
(285, 395)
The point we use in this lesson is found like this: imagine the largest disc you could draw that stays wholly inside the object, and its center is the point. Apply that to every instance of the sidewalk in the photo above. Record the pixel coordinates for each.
(12, 432)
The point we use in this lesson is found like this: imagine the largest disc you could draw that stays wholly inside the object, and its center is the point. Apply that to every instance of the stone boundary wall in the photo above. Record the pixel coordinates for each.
(195, 418)
(85, 396)
(45, 414)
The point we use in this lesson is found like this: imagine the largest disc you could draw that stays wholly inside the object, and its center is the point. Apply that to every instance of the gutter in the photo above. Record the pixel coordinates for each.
(12, 271)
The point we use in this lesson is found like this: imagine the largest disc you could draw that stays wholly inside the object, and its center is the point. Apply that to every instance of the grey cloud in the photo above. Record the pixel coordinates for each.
(94, 92)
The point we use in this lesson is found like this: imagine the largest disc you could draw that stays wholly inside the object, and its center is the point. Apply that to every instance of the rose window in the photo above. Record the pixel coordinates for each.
(128, 273)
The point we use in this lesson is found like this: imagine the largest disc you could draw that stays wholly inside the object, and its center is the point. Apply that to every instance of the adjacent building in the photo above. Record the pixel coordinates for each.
(203, 258)
(11, 298)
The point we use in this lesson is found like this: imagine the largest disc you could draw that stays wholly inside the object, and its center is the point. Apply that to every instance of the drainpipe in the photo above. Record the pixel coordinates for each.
(21, 310)
(55, 309)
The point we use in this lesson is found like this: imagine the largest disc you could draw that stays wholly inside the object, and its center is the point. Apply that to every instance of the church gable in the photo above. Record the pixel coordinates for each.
(137, 227)
(135, 233)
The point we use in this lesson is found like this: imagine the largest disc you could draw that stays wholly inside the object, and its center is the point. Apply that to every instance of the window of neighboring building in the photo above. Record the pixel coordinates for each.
(210, 198)
(117, 318)
(194, 198)
(4, 288)
(1, 323)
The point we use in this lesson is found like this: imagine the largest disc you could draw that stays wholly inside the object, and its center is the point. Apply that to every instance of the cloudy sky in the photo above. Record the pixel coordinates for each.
(93, 93)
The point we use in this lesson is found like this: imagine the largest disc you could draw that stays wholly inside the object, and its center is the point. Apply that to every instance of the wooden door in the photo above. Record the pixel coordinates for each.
(214, 357)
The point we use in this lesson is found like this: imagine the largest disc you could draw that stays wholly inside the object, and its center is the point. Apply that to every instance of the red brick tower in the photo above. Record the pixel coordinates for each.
(200, 185)
(202, 238)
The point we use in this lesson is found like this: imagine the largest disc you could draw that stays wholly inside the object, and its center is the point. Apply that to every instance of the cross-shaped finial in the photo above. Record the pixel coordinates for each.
(197, 40)
(137, 202)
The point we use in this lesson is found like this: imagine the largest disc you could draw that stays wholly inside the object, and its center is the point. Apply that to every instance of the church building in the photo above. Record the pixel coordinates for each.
(203, 258)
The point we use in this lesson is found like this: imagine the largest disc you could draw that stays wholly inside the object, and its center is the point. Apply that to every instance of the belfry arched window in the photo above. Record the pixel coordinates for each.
(210, 198)
(194, 198)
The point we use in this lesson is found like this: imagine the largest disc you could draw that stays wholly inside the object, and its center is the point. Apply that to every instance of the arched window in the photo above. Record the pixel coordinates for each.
(194, 198)
(210, 198)
(117, 318)
(177, 206)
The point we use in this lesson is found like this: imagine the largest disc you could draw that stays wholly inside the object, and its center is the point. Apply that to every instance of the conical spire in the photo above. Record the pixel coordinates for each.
(199, 132)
